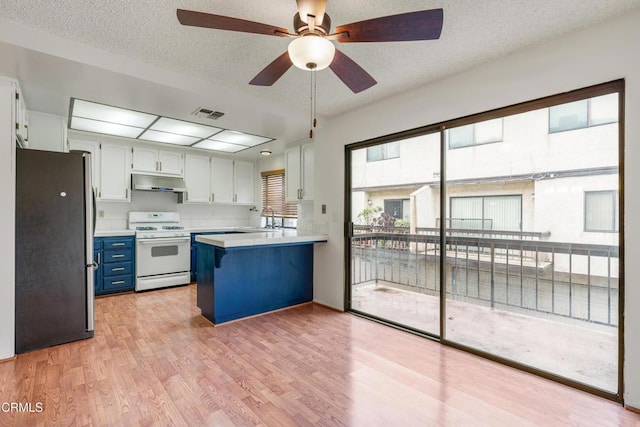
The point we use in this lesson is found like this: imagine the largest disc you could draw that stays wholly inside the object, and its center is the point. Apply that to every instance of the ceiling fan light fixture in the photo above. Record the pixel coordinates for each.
(311, 52)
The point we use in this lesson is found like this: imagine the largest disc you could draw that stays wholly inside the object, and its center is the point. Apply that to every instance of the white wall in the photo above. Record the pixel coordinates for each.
(599, 54)
(7, 221)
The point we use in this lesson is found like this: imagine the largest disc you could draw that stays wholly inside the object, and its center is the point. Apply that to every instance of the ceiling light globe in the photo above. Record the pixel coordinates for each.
(311, 52)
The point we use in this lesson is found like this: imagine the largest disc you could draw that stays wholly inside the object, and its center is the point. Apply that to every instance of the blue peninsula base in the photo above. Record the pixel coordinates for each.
(243, 281)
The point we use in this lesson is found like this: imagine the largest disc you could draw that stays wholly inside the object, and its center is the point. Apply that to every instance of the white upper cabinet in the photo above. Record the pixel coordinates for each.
(93, 148)
(299, 169)
(222, 180)
(16, 110)
(243, 177)
(197, 178)
(161, 162)
(110, 169)
(22, 116)
(232, 181)
(307, 160)
(47, 131)
(114, 172)
(170, 163)
(145, 159)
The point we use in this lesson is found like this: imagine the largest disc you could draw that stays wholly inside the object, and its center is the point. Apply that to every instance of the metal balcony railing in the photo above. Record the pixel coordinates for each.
(516, 270)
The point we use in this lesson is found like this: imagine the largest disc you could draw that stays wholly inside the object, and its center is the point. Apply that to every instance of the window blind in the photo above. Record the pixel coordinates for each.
(273, 195)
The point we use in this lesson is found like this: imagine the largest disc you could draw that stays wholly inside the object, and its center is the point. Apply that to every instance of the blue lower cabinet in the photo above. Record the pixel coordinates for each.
(194, 252)
(238, 282)
(97, 272)
(118, 283)
(115, 257)
(118, 269)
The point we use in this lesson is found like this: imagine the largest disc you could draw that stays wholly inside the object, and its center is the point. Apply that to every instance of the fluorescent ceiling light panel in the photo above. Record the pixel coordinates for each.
(220, 146)
(97, 126)
(107, 113)
(234, 137)
(169, 138)
(180, 127)
(105, 119)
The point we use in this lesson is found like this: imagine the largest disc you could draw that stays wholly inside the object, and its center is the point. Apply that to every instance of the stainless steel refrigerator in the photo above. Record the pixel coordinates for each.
(54, 248)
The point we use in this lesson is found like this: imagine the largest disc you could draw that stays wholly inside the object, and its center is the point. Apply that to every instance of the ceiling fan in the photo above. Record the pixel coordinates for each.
(312, 48)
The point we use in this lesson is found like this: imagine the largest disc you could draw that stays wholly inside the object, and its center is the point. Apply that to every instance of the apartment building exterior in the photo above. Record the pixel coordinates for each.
(552, 171)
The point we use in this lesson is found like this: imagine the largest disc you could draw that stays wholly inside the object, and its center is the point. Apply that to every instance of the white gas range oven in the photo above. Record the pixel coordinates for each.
(163, 250)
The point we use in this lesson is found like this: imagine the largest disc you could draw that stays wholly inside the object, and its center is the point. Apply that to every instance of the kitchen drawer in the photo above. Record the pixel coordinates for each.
(117, 255)
(117, 268)
(117, 283)
(117, 243)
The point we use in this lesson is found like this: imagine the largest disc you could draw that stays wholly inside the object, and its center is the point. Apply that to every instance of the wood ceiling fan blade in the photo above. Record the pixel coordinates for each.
(420, 25)
(351, 74)
(219, 22)
(273, 71)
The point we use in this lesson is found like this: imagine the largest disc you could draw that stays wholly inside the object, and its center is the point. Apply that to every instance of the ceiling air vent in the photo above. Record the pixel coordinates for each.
(208, 113)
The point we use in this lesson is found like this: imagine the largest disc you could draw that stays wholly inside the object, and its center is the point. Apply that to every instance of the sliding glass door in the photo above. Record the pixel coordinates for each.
(395, 243)
(499, 234)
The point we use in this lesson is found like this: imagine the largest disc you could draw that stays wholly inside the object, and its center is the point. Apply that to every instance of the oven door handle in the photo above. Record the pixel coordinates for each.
(163, 240)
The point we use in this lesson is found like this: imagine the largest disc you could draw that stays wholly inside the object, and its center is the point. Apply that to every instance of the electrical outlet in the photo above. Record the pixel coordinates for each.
(324, 209)
(100, 213)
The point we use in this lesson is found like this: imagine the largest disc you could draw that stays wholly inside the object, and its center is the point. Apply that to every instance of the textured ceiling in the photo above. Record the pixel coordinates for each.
(148, 31)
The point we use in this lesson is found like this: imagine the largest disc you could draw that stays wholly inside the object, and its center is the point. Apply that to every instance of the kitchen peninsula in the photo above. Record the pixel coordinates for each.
(250, 273)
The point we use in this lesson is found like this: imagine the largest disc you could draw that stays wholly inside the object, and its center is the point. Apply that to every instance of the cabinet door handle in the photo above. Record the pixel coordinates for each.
(213, 197)
(126, 193)
(186, 195)
(118, 282)
(99, 258)
(301, 193)
(117, 256)
(117, 244)
(118, 269)
(160, 166)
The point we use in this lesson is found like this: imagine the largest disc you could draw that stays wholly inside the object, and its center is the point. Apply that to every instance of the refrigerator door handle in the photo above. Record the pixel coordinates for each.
(89, 228)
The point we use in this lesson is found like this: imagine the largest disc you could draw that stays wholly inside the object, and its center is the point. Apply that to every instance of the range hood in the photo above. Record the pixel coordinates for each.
(157, 183)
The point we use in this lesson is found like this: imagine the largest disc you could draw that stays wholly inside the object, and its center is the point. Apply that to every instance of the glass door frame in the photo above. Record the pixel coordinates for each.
(616, 86)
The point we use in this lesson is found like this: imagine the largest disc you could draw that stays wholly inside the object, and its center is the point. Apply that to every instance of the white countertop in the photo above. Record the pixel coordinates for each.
(113, 233)
(219, 229)
(261, 237)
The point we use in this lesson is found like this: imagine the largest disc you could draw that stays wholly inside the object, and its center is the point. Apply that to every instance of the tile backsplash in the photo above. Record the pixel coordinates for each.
(114, 214)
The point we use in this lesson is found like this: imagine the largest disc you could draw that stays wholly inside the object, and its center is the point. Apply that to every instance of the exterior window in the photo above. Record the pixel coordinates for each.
(273, 195)
(582, 114)
(390, 150)
(486, 213)
(475, 134)
(397, 208)
(601, 211)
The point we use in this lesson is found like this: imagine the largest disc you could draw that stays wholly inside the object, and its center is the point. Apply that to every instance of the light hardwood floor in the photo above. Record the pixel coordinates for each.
(155, 361)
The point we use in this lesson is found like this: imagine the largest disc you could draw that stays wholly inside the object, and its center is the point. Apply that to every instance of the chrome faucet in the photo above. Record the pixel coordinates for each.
(273, 220)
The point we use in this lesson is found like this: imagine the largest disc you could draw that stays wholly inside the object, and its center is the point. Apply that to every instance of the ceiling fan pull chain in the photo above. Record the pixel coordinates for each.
(312, 106)
(315, 97)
